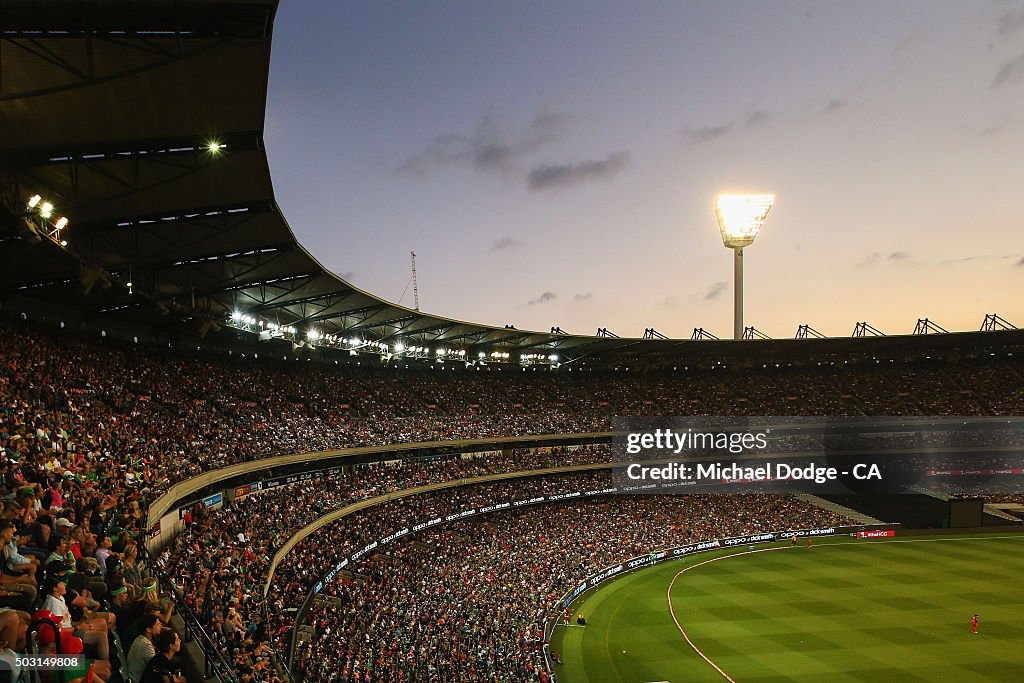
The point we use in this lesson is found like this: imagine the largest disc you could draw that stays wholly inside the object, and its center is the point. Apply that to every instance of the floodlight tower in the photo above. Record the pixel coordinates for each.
(740, 216)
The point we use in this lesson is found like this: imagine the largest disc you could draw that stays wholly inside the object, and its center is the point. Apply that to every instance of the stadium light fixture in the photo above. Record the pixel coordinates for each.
(46, 210)
(213, 146)
(35, 199)
(740, 217)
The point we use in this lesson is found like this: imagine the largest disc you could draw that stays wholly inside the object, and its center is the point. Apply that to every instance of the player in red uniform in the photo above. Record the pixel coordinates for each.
(974, 624)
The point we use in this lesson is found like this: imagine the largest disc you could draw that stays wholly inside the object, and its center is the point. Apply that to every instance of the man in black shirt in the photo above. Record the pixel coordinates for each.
(167, 644)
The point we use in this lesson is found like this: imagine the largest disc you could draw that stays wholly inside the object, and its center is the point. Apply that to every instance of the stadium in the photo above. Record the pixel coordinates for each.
(224, 462)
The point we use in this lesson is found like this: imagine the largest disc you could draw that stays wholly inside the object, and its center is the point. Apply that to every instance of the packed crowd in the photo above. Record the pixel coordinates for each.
(167, 415)
(226, 553)
(470, 601)
(92, 430)
(78, 584)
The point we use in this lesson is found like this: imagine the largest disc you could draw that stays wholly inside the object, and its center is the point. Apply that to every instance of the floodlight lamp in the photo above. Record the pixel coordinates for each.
(553, 358)
(46, 210)
(63, 243)
(213, 146)
(34, 201)
(236, 316)
(740, 217)
(399, 348)
(61, 223)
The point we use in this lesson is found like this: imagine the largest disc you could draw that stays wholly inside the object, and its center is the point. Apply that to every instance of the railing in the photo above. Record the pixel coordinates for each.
(214, 664)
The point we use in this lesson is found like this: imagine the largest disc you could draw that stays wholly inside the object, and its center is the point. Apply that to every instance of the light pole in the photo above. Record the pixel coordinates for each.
(740, 216)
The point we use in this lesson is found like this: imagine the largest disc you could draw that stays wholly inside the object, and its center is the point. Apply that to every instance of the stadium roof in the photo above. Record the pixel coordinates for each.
(108, 111)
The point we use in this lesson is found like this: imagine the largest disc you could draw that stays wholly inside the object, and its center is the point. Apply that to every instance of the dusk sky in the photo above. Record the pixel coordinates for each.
(557, 163)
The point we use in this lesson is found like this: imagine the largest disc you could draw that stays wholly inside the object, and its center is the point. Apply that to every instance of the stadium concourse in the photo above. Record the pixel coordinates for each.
(93, 429)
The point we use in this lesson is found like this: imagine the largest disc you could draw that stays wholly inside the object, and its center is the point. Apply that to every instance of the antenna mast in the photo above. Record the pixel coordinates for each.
(415, 286)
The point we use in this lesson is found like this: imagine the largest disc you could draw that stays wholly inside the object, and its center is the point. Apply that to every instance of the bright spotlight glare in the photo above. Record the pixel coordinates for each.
(740, 217)
(62, 223)
(34, 200)
(553, 358)
(399, 348)
(215, 147)
(46, 210)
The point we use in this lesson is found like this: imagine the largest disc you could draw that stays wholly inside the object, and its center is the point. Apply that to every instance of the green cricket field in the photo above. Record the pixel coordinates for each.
(896, 609)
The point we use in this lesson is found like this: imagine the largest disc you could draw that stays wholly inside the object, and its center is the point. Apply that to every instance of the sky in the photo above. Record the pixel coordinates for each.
(557, 163)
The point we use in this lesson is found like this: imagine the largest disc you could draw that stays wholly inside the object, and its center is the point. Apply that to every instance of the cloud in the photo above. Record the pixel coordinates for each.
(1020, 264)
(503, 243)
(583, 297)
(489, 147)
(993, 129)
(834, 106)
(1011, 22)
(1010, 72)
(550, 176)
(669, 301)
(874, 257)
(543, 298)
(709, 133)
(715, 290)
(754, 118)
(758, 117)
(868, 260)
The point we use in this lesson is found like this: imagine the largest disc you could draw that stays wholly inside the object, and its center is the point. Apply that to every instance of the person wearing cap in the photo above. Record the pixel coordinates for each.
(142, 649)
(56, 568)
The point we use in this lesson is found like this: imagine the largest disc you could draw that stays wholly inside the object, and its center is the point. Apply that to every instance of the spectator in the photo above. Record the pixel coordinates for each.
(142, 649)
(159, 669)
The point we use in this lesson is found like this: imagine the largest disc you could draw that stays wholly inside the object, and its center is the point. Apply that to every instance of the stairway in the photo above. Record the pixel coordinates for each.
(859, 517)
